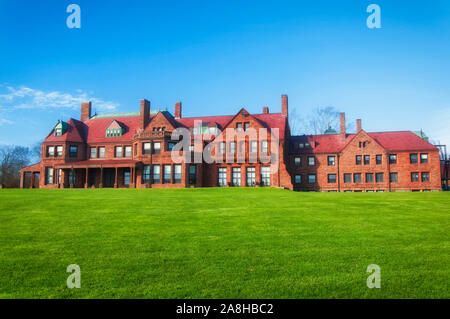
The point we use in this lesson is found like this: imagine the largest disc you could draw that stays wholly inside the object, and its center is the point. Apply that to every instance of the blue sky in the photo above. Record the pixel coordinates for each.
(218, 56)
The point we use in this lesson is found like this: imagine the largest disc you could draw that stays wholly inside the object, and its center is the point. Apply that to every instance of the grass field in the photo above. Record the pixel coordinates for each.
(223, 243)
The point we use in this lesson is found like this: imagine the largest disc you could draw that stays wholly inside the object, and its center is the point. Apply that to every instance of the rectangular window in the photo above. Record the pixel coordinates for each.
(357, 178)
(311, 178)
(59, 151)
(366, 159)
(49, 175)
(331, 178)
(192, 175)
(379, 159)
(413, 158)
(264, 147)
(156, 174)
(253, 147)
(93, 152)
(298, 179)
(414, 177)
(425, 177)
(222, 147)
(50, 151)
(212, 130)
(167, 178)
(128, 151)
(298, 161)
(146, 148)
(146, 174)
(232, 149)
(265, 176)
(246, 126)
(222, 176)
(358, 159)
(251, 176)
(424, 158)
(170, 146)
(393, 159)
(118, 151)
(379, 177)
(59, 176)
(238, 127)
(393, 177)
(156, 148)
(347, 178)
(73, 151)
(236, 176)
(369, 177)
(331, 160)
(101, 152)
(177, 174)
(72, 177)
(311, 161)
(126, 177)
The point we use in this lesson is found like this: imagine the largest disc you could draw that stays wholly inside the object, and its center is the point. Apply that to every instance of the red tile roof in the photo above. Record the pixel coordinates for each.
(391, 141)
(74, 133)
(94, 129)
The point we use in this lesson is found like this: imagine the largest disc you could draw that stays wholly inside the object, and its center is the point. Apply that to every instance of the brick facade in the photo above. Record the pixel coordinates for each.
(134, 150)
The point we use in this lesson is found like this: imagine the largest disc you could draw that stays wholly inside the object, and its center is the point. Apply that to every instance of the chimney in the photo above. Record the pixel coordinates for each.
(144, 116)
(284, 105)
(178, 110)
(342, 126)
(265, 110)
(85, 111)
(358, 125)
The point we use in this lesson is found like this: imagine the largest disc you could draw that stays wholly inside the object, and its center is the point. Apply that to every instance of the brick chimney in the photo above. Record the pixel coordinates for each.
(85, 111)
(144, 116)
(265, 110)
(342, 126)
(178, 110)
(358, 125)
(284, 105)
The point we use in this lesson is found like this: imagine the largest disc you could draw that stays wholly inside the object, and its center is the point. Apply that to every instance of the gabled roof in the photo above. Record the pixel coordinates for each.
(391, 141)
(93, 130)
(74, 133)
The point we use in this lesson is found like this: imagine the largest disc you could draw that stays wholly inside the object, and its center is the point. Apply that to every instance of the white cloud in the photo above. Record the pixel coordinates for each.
(28, 98)
(5, 121)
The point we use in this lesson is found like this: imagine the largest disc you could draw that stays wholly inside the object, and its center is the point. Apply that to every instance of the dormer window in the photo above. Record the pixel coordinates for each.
(114, 130)
(246, 126)
(60, 128)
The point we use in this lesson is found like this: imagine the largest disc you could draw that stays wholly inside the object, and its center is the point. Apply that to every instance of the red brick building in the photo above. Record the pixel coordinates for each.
(136, 150)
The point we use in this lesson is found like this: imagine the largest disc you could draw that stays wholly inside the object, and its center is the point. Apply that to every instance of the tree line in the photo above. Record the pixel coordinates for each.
(13, 159)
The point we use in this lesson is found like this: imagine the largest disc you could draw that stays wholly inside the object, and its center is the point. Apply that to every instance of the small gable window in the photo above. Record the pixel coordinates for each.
(60, 128)
(114, 130)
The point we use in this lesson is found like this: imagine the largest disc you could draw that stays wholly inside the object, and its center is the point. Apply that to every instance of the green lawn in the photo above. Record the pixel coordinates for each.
(223, 243)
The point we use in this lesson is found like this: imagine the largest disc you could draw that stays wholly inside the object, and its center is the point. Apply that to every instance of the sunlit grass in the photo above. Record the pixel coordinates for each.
(223, 243)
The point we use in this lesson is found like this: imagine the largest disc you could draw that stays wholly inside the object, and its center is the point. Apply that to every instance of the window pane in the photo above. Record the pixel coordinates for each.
(156, 174)
(311, 178)
(265, 176)
(167, 174)
(101, 152)
(236, 176)
(222, 176)
(146, 174)
(251, 176)
(128, 151)
(177, 174)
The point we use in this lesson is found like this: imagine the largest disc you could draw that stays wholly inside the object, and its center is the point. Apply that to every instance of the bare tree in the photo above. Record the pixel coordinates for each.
(12, 159)
(317, 122)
